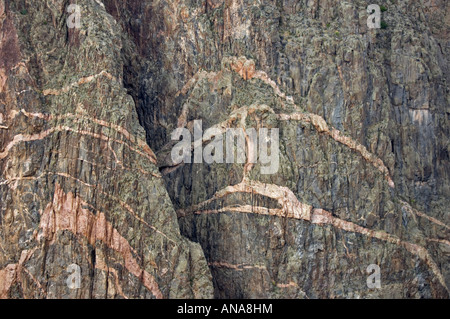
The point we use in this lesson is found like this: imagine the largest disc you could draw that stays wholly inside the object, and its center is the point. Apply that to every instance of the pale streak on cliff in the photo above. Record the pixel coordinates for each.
(191, 83)
(79, 117)
(59, 128)
(122, 204)
(237, 209)
(440, 241)
(318, 122)
(98, 189)
(246, 69)
(322, 127)
(292, 208)
(420, 214)
(66, 213)
(237, 267)
(240, 115)
(81, 81)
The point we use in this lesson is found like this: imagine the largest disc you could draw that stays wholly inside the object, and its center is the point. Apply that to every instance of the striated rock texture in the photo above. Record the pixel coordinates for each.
(86, 117)
(79, 184)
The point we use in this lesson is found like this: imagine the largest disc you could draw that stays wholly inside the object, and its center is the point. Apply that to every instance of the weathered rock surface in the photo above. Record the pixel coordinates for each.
(79, 185)
(364, 124)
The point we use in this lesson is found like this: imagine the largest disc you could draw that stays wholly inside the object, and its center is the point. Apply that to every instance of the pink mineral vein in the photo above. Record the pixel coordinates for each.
(292, 208)
(66, 212)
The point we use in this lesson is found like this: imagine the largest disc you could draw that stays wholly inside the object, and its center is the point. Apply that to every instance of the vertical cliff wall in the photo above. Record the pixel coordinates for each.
(79, 184)
(87, 175)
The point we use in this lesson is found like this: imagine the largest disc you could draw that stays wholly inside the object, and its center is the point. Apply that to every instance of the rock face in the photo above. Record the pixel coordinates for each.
(79, 183)
(87, 177)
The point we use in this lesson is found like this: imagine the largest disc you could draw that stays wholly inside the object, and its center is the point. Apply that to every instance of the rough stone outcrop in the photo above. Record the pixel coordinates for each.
(87, 178)
(79, 184)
